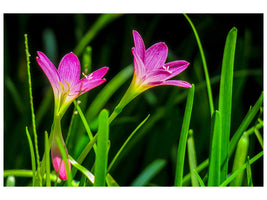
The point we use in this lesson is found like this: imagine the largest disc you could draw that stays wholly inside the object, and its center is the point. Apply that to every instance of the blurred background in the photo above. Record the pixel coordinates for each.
(58, 34)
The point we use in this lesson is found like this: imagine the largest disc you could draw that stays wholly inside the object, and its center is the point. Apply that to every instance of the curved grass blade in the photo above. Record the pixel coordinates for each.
(201, 183)
(102, 149)
(111, 182)
(101, 22)
(125, 143)
(251, 161)
(32, 109)
(82, 169)
(34, 178)
(225, 97)
(215, 152)
(204, 65)
(149, 172)
(47, 160)
(259, 137)
(183, 138)
(192, 158)
(240, 158)
(249, 173)
(110, 88)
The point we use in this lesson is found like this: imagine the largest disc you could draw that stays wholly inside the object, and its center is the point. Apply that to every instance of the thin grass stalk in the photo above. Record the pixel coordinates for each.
(47, 160)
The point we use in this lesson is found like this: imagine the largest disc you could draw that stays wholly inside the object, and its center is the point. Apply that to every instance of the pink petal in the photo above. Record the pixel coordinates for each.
(50, 71)
(139, 45)
(85, 85)
(156, 56)
(139, 67)
(98, 74)
(178, 83)
(69, 70)
(175, 67)
(157, 75)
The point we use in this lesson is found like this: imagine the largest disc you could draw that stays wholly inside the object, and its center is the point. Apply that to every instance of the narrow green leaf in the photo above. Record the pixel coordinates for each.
(215, 152)
(149, 172)
(10, 181)
(204, 65)
(87, 149)
(240, 159)
(111, 182)
(125, 143)
(47, 160)
(192, 158)
(111, 87)
(82, 169)
(101, 22)
(244, 124)
(32, 109)
(251, 161)
(249, 173)
(34, 178)
(259, 137)
(102, 149)
(201, 183)
(183, 138)
(225, 97)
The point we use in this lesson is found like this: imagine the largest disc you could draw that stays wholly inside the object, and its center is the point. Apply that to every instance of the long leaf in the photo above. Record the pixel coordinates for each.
(183, 138)
(215, 152)
(102, 149)
(47, 160)
(149, 172)
(225, 97)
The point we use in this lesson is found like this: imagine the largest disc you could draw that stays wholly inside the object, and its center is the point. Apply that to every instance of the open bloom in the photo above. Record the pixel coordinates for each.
(65, 80)
(150, 69)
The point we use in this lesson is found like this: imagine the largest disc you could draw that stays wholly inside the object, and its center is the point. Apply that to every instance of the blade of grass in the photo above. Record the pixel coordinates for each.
(101, 22)
(192, 158)
(149, 172)
(126, 142)
(251, 161)
(225, 97)
(259, 137)
(215, 152)
(204, 65)
(110, 88)
(183, 138)
(201, 183)
(47, 160)
(244, 124)
(240, 159)
(39, 180)
(249, 173)
(111, 182)
(10, 181)
(102, 149)
(82, 169)
(34, 178)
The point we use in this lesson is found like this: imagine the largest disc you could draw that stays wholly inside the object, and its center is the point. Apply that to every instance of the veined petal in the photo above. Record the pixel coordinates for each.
(175, 67)
(50, 71)
(178, 83)
(157, 75)
(139, 45)
(98, 74)
(69, 70)
(139, 67)
(156, 56)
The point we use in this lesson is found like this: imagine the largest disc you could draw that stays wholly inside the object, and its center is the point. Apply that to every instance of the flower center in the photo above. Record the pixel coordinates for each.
(167, 68)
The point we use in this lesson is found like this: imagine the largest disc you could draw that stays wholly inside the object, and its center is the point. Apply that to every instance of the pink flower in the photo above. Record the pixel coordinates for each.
(65, 80)
(150, 69)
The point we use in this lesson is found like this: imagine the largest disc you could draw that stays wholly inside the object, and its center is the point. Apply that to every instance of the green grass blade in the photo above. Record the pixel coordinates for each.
(249, 174)
(111, 182)
(110, 88)
(34, 178)
(259, 137)
(102, 149)
(82, 169)
(240, 158)
(149, 172)
(204, 65)
(183, 138)
(192, 158)
(86, 150)
(215, 152)
(10, 181)
(126, 142)
(244, 124)
(225, 97)
(251, 161)
(201, 182)
(32, 108)
(101, 22)
(47, 160)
